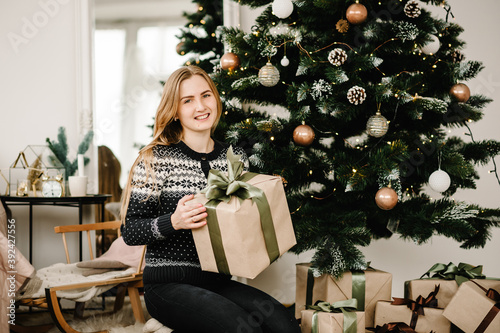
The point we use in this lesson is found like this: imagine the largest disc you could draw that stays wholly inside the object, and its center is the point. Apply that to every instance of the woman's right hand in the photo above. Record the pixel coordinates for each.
(188, 216)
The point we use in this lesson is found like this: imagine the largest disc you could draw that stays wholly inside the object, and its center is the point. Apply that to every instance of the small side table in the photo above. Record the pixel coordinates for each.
(98, 199)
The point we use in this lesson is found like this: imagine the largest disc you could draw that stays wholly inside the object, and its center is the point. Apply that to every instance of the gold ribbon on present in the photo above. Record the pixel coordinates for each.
(461, 273)
(221, 188)
(347, 307)
(495, 309)
(417, 306)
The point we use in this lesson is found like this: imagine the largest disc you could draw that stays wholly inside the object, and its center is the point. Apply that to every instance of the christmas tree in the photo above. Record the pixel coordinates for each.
(198, 37)
(365, 94)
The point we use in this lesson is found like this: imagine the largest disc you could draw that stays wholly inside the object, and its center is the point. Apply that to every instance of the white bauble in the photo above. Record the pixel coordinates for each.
(431, 47)
(285, 62)
(282, 8)
(439, 181)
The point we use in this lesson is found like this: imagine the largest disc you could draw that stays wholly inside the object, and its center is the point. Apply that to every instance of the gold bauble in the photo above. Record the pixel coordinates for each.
(386, 198)
(269, 75)
(180, 48)
(356, 13)
(303, 135)
(460, 92)
(229, 61)
(377, 125)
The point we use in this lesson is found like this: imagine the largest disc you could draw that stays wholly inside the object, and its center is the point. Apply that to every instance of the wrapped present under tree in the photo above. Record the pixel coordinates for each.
(367, 287)
(474, 308)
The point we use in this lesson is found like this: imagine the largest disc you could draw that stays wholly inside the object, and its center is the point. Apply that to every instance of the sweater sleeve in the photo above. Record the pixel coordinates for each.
(143, 223)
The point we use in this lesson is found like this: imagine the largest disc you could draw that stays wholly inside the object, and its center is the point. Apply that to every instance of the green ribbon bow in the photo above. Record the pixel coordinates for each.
(347, 307)
(461, 273)
(221, 188)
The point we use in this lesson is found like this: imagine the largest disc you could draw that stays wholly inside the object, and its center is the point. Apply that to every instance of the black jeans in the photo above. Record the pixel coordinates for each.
(224, 307)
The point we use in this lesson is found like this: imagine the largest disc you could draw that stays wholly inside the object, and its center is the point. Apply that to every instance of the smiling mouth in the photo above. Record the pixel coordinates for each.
(205, 116)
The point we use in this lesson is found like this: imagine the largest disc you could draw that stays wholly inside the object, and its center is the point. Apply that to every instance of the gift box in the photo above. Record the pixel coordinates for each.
(432, 320)
(337, 317)
(475, 308)
(448, 277)
(248, 223)
(329, 322)
(367, 287)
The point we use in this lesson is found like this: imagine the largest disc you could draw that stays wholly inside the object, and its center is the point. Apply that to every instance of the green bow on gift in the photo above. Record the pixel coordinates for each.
(221, 188)
(347, 307)
(464, 272)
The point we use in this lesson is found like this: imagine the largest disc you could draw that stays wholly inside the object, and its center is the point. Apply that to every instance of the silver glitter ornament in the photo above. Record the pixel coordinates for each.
(269, 75)
(377, 125)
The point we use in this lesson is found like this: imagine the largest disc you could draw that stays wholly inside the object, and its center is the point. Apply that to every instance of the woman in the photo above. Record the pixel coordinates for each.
(156, 212)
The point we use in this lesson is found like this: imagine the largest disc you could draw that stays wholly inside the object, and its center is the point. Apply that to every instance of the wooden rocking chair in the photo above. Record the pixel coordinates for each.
(130, 283)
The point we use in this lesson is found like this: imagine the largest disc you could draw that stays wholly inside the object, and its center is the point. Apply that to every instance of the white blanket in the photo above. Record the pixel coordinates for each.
(63, 274)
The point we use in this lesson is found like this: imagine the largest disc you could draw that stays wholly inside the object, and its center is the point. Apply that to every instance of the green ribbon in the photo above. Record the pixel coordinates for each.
(221, 188)
(461, 273)
(359, 288)
(347, 307)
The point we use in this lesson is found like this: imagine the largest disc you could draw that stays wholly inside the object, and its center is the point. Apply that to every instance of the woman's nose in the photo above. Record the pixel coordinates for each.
(200, 106)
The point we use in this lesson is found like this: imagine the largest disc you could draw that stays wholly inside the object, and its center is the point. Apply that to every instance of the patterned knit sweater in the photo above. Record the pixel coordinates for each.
(171, 254)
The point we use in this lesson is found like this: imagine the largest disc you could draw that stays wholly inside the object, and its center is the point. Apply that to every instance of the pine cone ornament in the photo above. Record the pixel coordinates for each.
(356, 95)
(342, 26)
(457, 56)
(337, 57)
(412, 9)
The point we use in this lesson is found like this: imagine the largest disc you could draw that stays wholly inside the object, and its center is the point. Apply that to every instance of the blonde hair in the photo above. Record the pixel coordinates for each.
(166, 130)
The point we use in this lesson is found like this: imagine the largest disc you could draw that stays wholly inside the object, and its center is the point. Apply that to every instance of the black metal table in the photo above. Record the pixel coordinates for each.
(97, 199)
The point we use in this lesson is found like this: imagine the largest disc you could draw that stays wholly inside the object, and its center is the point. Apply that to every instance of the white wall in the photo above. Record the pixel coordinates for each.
(41, 90)
(406, 260)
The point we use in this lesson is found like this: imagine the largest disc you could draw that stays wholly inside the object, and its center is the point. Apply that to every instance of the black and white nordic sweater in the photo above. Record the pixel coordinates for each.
(171, 254)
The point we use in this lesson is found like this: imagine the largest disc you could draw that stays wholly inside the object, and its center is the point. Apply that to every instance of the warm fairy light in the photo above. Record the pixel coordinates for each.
(310, 172)
(200, 8)
(191, 25)
(354, 170)
(195, 41)
(248, 120)
(213, 34)
(202, 21)
(226, 113)
(272, 138)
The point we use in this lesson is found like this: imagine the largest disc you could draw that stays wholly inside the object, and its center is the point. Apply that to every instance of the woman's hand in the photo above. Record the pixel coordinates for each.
(188, 216)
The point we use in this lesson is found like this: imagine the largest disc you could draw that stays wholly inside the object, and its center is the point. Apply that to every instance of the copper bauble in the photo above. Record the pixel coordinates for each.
(303, 135)
(180, 48)
(386, 198)
(356, 13)
(229, 61)
(460, 92)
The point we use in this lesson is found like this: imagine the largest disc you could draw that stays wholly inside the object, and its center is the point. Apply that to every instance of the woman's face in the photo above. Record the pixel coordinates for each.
(197, 109)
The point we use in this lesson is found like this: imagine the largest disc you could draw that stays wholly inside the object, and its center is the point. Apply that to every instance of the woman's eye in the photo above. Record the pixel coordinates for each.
(206, 95)
(187, 101)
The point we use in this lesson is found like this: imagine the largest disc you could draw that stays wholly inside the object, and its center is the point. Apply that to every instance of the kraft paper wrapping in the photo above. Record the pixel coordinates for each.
(378, 287)
(241, 230)
(447, 288)
(433, 320)
(470, 305)
(330, 322)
